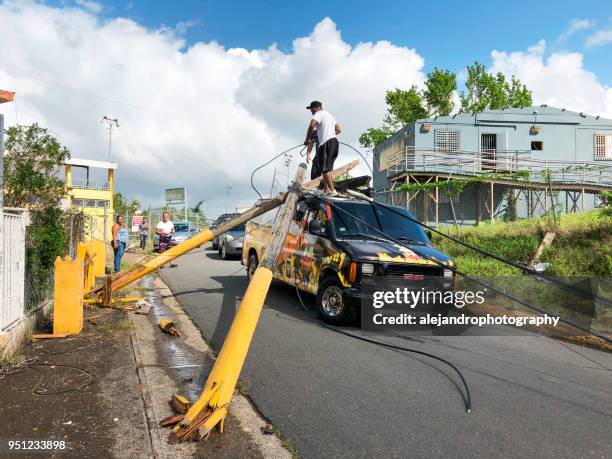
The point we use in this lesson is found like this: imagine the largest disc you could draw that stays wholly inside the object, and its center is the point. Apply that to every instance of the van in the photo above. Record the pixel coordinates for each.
(329, 254)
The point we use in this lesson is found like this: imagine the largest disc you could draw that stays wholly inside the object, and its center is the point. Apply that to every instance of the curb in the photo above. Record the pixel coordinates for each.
(154, 434)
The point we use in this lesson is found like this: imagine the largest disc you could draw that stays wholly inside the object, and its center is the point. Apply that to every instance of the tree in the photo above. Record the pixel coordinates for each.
(438, 93)
(30, 166)
(402, 108)
(486, 91)
(406, 106)
(123, 206)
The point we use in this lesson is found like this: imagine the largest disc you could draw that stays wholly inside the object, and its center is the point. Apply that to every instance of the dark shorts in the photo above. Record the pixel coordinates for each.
(324, 159)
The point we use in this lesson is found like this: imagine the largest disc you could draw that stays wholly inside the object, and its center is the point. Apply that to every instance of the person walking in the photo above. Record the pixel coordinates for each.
(119, 242)
(164, 230)
(324, 126)
(143, 228)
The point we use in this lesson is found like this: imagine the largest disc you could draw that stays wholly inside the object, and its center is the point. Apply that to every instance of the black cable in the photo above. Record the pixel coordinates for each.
(363, 157)
(268, 162)
(523, 268)
(455, 270)
(468, 399)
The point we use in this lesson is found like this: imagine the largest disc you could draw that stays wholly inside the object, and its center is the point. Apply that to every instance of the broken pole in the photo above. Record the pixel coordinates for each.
(212, 406)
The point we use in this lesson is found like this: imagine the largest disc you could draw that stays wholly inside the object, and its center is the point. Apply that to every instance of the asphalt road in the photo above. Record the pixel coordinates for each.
(334, 396)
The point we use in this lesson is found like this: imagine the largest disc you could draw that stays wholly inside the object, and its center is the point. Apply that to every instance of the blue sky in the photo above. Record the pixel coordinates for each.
(448, 34)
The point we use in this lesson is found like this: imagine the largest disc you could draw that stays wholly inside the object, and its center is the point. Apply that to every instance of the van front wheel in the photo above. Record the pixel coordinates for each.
(332, 304)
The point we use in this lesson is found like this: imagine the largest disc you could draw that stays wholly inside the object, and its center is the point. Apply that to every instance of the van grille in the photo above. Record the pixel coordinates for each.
(414, 276)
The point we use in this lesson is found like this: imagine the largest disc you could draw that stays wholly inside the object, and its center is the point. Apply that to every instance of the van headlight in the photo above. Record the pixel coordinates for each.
(229, 238)
(367, 269)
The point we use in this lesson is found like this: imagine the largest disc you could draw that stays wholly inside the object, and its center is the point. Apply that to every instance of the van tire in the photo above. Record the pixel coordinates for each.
(252, 266)
(223, 251)
(332, 304)
(219, 249)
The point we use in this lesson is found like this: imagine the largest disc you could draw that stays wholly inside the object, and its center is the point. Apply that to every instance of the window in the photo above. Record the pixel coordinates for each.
(603, 146)
(446, 140)
(99, 203)
(537, 145)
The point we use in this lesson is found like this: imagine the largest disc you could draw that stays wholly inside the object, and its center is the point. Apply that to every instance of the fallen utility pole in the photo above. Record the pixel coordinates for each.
(122, 279)
(212, 406)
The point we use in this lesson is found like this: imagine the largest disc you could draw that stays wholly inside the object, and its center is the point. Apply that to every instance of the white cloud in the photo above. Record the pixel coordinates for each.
(559, 80)
(575, 26)
(200, 116)
(600, 38)
(93, 7)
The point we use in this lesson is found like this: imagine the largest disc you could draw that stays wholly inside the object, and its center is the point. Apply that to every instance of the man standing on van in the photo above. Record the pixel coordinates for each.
(327, 130)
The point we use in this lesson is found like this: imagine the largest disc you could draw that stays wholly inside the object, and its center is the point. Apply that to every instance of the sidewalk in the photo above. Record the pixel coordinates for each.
(105, 391)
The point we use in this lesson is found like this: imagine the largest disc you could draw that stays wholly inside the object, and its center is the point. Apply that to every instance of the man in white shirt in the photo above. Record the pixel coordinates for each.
(327, 130)
(164, 230)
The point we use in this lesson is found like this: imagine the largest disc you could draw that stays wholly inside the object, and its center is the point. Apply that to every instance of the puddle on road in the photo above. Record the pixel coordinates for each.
(187, 366)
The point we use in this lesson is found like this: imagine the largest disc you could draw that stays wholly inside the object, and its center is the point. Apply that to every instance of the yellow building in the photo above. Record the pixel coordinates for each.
(94, 196)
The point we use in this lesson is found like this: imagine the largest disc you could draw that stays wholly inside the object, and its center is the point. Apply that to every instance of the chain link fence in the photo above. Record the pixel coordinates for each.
(438, 205)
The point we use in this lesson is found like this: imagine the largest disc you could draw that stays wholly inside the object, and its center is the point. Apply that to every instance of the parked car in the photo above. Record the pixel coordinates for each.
(222, 218)
(230, 243)
(183, 230)
(336, 252)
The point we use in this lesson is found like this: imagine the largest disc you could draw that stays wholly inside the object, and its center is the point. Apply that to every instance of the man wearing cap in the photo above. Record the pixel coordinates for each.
(327, 130)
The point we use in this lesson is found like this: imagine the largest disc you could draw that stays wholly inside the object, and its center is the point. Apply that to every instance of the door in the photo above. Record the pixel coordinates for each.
(488, 148)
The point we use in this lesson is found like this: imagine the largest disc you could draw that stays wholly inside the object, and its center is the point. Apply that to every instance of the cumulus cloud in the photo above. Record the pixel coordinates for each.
(600, 38)
(559, 80)
(199, 116)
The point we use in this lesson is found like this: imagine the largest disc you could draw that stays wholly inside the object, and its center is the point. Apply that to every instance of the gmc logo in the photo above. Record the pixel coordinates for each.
(413, 277)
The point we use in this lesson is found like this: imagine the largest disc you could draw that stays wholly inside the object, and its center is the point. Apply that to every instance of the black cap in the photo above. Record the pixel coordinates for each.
(314, 104)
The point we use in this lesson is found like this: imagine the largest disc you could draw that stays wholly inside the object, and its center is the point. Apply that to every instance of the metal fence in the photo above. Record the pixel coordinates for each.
(12, 263)
(478, 202)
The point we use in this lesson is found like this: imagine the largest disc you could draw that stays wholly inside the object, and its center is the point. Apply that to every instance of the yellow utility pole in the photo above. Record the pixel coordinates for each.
(212, 406)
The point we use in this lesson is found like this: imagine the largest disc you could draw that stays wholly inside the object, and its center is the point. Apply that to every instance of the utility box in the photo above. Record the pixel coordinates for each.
(68, 297)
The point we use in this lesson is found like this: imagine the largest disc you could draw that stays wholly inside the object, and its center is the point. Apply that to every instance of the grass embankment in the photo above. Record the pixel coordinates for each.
(582, 246)
(581, 253)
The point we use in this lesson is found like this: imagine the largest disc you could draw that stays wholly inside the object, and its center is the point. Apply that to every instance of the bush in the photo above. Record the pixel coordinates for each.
(45, 240)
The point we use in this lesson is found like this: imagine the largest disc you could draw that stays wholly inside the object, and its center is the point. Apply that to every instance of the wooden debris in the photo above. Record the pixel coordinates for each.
(171, 420)
(167, 326)
(180, 403)
(50, 336)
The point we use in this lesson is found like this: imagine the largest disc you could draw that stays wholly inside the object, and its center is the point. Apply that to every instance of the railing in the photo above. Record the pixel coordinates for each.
(85, 184)
(500, 161)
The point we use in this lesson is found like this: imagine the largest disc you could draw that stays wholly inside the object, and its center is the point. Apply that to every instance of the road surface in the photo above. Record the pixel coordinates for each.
(334, 396)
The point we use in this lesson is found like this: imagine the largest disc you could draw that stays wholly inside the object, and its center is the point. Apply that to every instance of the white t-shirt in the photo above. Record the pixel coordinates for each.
(326, 129)
(166, 228)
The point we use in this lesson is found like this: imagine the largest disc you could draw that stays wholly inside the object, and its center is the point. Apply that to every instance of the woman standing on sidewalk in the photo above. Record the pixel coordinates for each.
(120, 240)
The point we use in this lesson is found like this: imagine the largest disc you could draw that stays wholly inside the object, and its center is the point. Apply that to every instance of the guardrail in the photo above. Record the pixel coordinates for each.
(500, 161)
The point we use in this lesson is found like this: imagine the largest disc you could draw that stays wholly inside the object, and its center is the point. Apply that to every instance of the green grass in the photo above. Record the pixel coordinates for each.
(582, 247)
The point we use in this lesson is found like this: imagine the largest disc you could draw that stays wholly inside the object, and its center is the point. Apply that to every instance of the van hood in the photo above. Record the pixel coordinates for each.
(389, 252)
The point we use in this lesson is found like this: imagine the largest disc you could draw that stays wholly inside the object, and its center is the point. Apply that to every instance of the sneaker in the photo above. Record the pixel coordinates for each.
(331, 194)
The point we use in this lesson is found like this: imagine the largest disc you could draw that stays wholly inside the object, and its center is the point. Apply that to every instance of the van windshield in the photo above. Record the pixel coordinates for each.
(378, 217)
(181, 227)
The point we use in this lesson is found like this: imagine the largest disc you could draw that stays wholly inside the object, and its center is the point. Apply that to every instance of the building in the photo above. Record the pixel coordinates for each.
(92, 192)
(512, 163)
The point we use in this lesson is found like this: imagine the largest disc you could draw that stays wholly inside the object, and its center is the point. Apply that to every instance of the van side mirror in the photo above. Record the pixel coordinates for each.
(315, 227)
(429, 234)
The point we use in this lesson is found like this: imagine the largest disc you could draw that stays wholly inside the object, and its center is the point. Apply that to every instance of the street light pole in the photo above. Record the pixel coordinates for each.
(227, 190)
(110, 122)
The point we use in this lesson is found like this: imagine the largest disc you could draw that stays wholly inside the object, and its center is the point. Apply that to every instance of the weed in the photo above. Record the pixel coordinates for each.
(124, 324)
